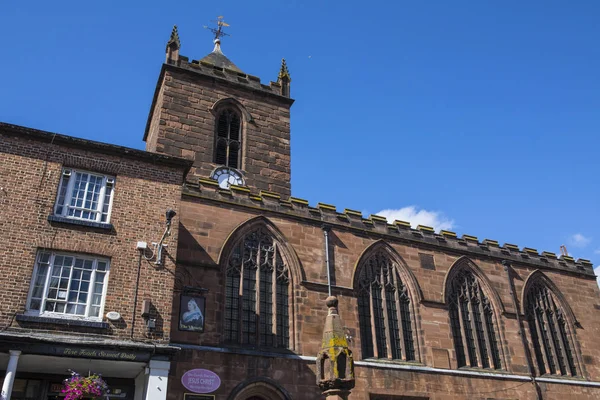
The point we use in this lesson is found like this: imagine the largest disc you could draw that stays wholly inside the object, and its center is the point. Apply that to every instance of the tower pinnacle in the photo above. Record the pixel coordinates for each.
(173, 46)
(283, 71)
(174, 39)
(284, 79)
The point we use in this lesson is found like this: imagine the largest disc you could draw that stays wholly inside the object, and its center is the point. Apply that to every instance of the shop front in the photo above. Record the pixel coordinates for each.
(50, 386)
(36, 368)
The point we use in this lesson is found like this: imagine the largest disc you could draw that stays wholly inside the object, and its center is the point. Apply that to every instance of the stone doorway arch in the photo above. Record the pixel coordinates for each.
(259, 389)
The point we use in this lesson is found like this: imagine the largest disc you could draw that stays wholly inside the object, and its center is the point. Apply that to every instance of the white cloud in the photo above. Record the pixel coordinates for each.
(416, 216)
(597, 251)
(597, 272)
(578, 240)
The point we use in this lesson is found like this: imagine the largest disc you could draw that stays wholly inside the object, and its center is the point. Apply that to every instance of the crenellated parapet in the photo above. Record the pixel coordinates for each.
(211, 67)
(217, 66)
(378, 226)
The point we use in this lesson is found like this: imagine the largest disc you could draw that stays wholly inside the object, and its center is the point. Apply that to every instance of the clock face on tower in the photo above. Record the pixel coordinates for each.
(227, 176)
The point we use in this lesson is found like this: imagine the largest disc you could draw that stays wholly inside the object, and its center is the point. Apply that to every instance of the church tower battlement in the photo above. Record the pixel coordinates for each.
(234, 128)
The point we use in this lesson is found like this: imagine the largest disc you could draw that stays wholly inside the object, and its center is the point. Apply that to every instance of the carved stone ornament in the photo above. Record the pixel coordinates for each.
(335, 364)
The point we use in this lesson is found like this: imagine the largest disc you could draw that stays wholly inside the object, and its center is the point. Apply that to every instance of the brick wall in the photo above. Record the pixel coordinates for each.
(30, 170)
(183, 125)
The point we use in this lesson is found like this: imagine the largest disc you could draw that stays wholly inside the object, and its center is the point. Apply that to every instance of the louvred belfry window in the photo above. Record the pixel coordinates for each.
(549, 333)
(472, 321)
(384, 310)
(228, 141)
(257, 292)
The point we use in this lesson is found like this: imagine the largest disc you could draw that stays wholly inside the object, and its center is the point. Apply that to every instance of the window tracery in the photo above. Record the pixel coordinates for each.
(472, 323)
(384, 307)
(228, 139)
(549, 332)
(257, 290)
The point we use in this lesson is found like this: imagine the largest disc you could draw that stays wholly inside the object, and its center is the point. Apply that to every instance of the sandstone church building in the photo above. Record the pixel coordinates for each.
(235, 305)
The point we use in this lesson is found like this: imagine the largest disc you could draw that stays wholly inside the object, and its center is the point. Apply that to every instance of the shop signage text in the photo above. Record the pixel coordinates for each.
(85, 352)
(104, 354)
(201, 381)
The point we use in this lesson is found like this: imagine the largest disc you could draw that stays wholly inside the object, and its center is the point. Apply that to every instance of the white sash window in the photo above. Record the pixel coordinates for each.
(85, 196)
(68, 285)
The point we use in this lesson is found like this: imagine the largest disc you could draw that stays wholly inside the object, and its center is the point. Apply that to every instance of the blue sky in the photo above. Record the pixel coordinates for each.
(481, 116)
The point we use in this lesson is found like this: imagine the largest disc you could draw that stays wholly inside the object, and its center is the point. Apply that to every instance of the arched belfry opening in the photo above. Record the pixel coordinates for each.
(228, 138)
(230, 119)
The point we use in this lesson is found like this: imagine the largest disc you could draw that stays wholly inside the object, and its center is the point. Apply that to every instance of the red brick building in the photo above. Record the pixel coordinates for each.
(238, 302)
(73, 212)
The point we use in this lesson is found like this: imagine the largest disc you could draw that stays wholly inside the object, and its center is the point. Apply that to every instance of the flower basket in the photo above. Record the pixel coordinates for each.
(78, 387)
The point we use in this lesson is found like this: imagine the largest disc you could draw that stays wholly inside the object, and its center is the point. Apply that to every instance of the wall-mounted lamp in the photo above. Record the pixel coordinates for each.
(169, 215)
(158, 247)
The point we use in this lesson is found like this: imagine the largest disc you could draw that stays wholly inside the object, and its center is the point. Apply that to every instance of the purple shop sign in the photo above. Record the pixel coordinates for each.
(201, 381)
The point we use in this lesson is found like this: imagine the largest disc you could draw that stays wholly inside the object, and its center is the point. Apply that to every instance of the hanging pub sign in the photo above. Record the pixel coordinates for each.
(191, 312)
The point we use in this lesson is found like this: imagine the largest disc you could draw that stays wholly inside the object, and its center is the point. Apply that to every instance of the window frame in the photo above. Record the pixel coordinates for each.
(551, 333)
(228, 140)
(67, 196)
(248, 281)
(471, 314)
(397, 300)
(44, 298)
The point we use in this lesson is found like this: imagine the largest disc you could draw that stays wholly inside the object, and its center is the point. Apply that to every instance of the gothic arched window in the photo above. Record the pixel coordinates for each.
(228, 138)
(257, 290)
(549, 332)
(472, 321)
(384, 309)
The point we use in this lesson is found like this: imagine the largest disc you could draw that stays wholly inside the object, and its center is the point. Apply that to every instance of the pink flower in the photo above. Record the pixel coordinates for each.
(78, 387)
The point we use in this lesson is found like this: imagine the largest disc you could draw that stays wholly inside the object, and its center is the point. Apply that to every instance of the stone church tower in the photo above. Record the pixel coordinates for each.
(236, 129)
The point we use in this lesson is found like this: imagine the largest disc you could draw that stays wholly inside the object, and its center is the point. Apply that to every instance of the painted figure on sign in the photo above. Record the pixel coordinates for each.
(194, 314)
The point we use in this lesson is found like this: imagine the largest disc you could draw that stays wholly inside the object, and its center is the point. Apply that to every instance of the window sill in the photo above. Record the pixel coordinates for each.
(266, 349)
(99, 225)
(393, 361)
(477, 369)
(62, 321)
(561, 377)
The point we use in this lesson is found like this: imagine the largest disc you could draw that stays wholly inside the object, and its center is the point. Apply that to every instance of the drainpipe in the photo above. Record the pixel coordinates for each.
(135, 296)
(511, 286)
(326, 230)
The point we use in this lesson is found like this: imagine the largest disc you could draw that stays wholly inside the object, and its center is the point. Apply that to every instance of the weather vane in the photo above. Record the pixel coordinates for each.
(218, 31)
